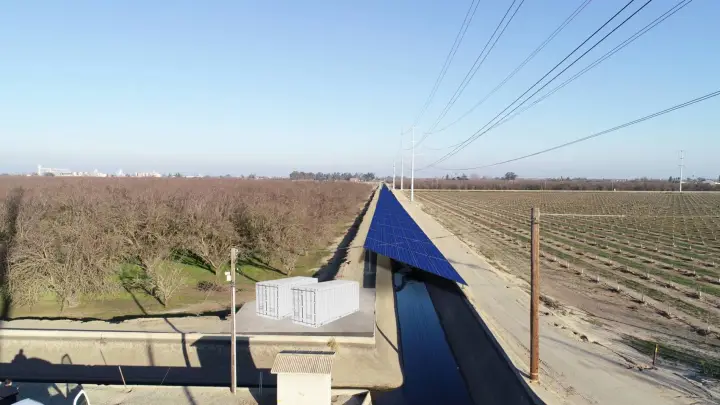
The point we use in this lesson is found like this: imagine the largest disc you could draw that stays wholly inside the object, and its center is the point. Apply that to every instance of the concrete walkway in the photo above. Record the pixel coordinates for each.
(576, 367)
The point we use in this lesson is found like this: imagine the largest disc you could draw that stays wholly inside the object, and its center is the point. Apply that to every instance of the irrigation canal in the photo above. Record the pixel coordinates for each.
(447, 355)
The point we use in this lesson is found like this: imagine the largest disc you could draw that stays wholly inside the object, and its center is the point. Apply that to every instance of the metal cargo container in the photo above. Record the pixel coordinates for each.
(319, 304)
(273, 298)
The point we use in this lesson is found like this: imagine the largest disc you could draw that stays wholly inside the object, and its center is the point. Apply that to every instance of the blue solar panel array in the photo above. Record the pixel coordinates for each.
(393, 233)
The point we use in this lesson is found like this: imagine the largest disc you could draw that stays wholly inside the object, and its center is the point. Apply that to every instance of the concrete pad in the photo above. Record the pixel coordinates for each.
(361, 323)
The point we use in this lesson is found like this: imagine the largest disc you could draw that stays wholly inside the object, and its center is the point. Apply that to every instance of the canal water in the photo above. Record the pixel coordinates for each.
(430, 372)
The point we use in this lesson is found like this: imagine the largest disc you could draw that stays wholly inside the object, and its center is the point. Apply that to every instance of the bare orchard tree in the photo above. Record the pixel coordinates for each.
(210, 231)
(253, 227)
(165, 280)
(60, 251)
(153, 234)
(75, 238)
(287, 242)
(25, 263)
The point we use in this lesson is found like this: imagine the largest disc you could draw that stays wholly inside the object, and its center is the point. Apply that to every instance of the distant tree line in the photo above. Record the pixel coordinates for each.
(508, 176)
(319, 176)
(511, 182)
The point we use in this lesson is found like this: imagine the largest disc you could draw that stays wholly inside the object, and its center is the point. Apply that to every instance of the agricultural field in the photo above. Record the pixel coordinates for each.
(112, 248)
(646, 263)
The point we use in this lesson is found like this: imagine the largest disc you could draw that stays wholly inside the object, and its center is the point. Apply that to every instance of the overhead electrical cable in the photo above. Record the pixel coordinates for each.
(449, 58)
(679, 6)
(607, 131)
(512, 74)
(489, 46)
(483, 129)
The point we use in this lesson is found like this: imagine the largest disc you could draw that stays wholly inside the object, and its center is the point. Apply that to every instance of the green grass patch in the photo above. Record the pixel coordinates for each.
(137, 302)
(131, 300)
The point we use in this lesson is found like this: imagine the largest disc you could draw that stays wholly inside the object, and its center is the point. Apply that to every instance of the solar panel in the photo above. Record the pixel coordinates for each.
(393, 233)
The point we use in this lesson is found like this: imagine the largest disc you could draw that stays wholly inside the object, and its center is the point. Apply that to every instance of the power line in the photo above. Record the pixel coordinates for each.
(679, 6)
(530, 57)
(476, 65)
(451, 54)
(480, 132)
(607, 131)
(444, 147)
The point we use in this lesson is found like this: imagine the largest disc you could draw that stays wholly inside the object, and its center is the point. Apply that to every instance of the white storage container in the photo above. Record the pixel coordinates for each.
(319, 304)
(273, 298)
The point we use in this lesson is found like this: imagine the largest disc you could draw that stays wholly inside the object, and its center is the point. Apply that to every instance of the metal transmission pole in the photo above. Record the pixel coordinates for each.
(534, 293)
(402, 162)
(393, 175)
(412, 168)
(682, 165)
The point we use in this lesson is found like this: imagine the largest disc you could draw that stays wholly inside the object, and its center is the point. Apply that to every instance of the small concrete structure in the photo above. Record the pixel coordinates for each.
(303, 378)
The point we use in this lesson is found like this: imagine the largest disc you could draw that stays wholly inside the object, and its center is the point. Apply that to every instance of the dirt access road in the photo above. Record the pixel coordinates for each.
(581, 362)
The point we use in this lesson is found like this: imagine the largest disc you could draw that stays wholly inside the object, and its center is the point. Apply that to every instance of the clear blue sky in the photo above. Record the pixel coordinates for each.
(268, 86)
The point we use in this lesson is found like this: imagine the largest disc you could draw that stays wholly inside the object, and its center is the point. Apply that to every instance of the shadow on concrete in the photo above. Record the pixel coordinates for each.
(45, 393)
(214, 370)
(370, 269)
(214, 356)
(430, 372)
(330, 269)
(471, 265)
(386, 338)
(151, 356)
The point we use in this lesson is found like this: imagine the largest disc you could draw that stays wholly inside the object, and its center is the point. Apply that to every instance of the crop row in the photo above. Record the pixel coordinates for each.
(611, 227)
(601, 243)
(559, 247)
(607, 237)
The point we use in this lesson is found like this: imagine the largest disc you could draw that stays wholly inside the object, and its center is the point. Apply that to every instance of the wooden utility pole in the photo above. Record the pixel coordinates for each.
(233, 331)
(534, 293)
